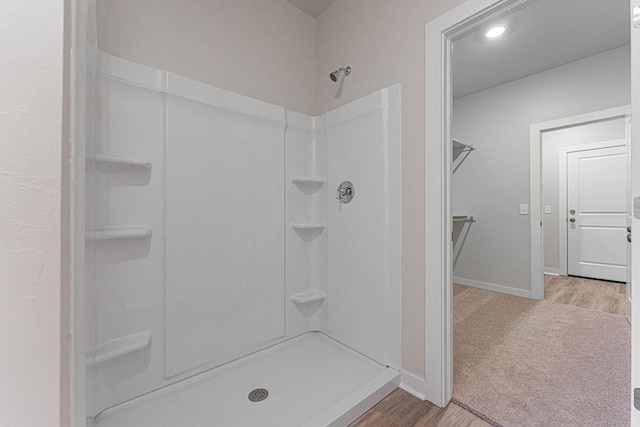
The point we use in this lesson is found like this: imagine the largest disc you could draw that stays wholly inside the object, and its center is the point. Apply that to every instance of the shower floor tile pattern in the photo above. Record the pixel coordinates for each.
(304, 376)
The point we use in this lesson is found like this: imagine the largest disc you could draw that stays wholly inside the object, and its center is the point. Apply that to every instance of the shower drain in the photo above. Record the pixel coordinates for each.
(258, 395)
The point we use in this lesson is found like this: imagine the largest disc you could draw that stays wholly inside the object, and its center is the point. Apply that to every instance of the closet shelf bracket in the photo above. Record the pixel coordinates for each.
(458, 149)
(465, 218)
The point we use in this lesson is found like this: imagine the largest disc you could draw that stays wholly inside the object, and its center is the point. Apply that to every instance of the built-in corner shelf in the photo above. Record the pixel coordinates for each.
(118, 347)
(119, 233)
(113, 163)
(308, 184)
(308, 226)
(308, 230)
(308, 296)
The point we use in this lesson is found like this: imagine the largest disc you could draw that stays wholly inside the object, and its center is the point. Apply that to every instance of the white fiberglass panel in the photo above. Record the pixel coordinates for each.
(363, 280)
(124, 288)
(194, 191)
(305, 249)
(224, 234)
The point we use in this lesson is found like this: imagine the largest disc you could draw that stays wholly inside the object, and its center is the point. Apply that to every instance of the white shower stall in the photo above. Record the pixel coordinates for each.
(225, 282)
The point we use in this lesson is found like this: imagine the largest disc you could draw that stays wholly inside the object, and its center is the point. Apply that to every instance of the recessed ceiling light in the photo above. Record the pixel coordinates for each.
(495, 32)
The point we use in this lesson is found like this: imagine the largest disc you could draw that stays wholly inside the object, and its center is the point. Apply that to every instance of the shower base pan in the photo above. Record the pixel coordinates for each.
(310, 381)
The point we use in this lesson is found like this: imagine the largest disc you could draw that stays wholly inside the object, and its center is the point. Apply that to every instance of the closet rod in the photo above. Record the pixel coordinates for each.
(465, 218)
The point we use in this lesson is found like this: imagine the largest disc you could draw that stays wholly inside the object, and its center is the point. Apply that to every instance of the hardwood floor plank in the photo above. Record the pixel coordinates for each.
(400, 409)
(454, 415)
(608, 297)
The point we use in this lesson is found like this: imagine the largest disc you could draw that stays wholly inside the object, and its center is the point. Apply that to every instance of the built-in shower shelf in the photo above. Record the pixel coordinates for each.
(308, 226)
(118, 347)
(308, 296)
(308, 230)
(308, 184)
(119, 233)
(113, 163)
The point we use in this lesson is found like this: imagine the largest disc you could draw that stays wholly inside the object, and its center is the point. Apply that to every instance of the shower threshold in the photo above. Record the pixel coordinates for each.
(310, 381)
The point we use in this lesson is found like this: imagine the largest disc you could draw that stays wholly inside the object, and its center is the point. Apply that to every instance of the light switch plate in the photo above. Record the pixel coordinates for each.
(524, 209)
(547, 209)
(636, 207)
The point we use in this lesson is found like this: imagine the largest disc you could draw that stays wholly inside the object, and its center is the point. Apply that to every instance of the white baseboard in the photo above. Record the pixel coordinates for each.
(411, 384)
(493, 287)
(552, 271)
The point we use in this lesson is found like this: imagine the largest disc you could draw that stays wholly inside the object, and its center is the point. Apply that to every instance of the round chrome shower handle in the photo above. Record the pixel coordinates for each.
(345, 192)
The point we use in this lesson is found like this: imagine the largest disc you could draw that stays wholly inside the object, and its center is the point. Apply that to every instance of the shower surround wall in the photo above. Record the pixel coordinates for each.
(215, 231)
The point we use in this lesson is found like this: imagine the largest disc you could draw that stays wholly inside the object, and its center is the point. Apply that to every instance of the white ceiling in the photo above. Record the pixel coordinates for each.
(543, 35)
(313, 8)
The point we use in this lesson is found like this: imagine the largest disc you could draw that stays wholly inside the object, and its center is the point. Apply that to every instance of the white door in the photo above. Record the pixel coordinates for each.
(635, 222)
(597, 188)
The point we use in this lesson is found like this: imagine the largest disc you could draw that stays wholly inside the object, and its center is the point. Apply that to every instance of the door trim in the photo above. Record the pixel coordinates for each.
(440, 35)
(630, 217)
(635, 222)
(536, 131)
(562, 192)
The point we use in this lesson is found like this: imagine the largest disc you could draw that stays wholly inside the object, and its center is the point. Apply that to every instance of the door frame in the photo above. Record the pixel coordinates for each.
(634, 10)
(535, 141)
(439, 37)
(562, 192)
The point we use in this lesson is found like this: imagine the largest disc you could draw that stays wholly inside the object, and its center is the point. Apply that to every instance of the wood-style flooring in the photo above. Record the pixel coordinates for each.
(401, 409)
(608, 297)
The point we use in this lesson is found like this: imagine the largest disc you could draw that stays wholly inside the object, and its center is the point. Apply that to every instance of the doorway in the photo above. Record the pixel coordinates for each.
(588, 135)
(551, 142)
(442, 34)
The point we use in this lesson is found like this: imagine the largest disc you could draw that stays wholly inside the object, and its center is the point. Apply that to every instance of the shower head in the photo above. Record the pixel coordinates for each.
(334, 76)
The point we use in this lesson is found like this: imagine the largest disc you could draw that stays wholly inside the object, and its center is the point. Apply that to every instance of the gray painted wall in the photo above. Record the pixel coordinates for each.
(494, 180)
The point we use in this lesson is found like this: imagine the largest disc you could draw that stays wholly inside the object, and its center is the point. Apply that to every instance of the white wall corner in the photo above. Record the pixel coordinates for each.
(413, 385)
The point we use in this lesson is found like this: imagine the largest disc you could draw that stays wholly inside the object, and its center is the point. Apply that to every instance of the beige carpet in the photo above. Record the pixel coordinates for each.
(521, 362)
